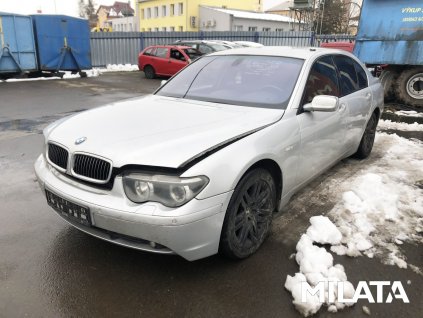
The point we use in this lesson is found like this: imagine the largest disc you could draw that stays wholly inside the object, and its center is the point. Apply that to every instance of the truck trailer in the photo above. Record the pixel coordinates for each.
(390, 38)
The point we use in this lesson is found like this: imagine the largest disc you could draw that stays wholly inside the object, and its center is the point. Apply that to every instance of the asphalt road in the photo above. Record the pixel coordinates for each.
(49, 269)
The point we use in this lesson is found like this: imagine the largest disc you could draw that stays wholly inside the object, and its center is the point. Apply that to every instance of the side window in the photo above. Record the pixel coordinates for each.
(362, 76)
(322, 80)
(161, 52)
(348, 75)
(205, 49)
(177, 55)
(149, 51)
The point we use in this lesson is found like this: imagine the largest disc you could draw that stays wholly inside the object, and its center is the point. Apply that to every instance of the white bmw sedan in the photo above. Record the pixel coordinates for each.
(204, 163)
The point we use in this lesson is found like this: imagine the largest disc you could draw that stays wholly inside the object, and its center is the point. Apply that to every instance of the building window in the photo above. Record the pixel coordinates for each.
(252, 28)
(143, 30)
(279, 30)
(164, 11)
(156, 12)
(181, 8)
(266, 29)
(149, 13)
(172, 9)
(156, 29)
(181, 28)
(143, 14)
(172, 29)
(130, 27)
(238, 27)
(164, 29)
(149, 29)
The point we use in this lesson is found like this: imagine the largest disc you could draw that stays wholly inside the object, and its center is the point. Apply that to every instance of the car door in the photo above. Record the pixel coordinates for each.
(355, 95)
(160, 60)
(178, 60)
(322, 133)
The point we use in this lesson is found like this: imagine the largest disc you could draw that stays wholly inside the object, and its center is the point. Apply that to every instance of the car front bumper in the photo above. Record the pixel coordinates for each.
(191, 231)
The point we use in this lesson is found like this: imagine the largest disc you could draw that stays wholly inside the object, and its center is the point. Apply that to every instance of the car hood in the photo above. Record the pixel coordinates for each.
(158, 131)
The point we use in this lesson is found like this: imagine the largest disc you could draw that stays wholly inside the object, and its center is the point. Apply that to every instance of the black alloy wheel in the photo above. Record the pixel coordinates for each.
(368, 139)
(249, 215)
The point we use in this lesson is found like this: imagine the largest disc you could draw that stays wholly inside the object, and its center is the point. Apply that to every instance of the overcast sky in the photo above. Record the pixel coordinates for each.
(68, 7)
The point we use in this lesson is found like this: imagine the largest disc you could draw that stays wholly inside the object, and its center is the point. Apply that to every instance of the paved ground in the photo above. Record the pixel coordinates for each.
(48, 269)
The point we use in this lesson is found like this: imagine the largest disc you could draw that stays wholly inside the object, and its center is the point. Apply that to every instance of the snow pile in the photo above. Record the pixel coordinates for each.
(316, 266)
(388, 124)
(407, 113)
(120, 68)
(383, 207)
(90, 73)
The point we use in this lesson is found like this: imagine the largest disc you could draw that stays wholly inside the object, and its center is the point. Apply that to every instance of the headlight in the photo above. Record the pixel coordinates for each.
(170, 191)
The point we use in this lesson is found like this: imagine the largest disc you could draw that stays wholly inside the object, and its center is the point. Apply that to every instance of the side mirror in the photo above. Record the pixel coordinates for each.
(322, 103)
(163, 82)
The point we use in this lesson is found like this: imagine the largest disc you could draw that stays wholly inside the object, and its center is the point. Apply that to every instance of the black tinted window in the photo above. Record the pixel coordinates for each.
(322, 80)
(362, 76)
(349, 80)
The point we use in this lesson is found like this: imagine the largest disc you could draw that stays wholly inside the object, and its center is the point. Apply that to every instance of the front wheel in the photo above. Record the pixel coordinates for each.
(368, 139)
(249, 215)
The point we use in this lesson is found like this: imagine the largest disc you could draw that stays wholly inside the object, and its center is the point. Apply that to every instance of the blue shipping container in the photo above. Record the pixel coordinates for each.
(63, 42)
(390, 32)
(17, 46)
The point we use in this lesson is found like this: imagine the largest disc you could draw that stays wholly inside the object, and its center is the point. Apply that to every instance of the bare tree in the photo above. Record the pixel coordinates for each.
(87, 11)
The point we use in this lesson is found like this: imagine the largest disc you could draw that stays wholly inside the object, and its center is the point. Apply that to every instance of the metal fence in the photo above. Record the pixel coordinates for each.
(123, 47)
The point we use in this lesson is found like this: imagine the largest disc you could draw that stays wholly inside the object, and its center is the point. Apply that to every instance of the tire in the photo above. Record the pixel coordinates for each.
(249, 215)
(409, 86)
(367, 141)
(149, 72)
(387, 78)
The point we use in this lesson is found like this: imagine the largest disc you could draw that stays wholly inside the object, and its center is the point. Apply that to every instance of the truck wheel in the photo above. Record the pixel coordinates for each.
(249, 215)
(387, 78)
(409, 86)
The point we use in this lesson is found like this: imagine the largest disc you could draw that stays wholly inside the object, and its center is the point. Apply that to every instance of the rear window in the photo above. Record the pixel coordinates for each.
(256, 81)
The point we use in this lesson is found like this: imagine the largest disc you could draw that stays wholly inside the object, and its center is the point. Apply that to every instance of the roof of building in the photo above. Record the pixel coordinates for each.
(119, 7)
(252, 15)
(283, 6)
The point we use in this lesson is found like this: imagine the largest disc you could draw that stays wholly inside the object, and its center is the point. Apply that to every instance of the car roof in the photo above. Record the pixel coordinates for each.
(286, 51)
(170, 46)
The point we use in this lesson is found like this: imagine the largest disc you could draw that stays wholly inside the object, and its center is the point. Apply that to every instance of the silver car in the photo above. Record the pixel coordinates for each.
(204, 163)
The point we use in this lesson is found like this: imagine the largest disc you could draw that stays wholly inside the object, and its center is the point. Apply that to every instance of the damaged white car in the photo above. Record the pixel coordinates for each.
(204, 163)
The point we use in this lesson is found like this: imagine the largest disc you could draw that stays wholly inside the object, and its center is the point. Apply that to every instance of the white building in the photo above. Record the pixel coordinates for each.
(124, 24)
(220, 19)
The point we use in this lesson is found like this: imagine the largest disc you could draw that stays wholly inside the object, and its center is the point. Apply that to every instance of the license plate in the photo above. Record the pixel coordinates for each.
(69, 209)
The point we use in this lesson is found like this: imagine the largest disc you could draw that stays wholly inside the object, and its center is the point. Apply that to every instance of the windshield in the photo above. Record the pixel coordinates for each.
(257, 81)
(218, 47)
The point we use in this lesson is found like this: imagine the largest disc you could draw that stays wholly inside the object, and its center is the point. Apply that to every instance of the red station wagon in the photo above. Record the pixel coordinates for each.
(165, 60)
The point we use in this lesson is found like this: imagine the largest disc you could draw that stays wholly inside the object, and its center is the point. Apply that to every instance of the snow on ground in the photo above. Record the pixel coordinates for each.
(407, 113)
(388, 124)
(383, 206)
(316, 265)
(90, 73)
(378, 209)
